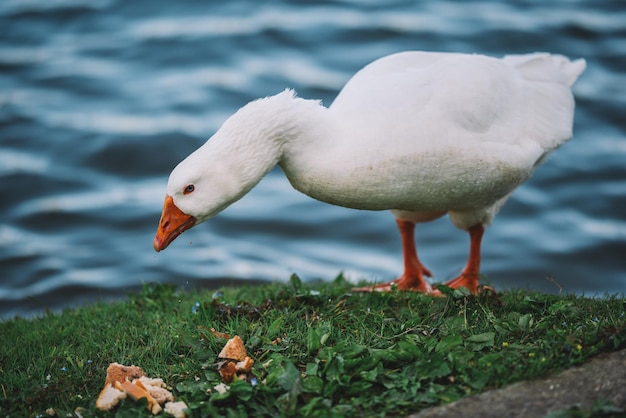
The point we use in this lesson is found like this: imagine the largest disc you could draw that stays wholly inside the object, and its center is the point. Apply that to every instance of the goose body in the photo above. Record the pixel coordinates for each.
(419, 133)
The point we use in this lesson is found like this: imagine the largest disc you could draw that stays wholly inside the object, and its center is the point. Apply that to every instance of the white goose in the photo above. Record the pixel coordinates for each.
(421, 134)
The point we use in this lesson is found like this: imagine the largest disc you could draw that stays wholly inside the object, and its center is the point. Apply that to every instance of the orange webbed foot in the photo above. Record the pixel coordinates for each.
(414, 270)
(404, 283)
(473, 288)
(469, 281)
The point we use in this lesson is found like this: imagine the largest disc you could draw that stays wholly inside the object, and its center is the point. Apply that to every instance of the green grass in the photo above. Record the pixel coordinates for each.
(319, 350)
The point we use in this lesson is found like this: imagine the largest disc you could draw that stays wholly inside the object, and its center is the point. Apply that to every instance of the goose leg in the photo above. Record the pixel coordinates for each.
(470, 275)
(414, 270)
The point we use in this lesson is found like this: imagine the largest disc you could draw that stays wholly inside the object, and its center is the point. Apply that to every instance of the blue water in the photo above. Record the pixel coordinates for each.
(100, 99)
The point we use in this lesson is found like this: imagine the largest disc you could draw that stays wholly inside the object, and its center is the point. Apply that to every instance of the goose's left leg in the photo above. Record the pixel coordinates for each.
(470, 275)
(414, 270)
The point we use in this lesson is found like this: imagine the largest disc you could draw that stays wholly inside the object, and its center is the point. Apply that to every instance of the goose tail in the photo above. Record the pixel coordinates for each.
(548, 67)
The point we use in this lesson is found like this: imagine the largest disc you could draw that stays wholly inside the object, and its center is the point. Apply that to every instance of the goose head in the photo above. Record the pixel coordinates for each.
(225, 168)
(198, 188)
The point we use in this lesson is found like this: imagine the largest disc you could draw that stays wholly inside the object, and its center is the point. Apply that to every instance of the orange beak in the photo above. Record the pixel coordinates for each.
(173, 223)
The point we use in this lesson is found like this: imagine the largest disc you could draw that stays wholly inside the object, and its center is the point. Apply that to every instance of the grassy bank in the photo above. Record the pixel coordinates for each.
(319, 350)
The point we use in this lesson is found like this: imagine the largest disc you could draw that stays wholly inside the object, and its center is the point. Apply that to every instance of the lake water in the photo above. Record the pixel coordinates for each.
(100, 99)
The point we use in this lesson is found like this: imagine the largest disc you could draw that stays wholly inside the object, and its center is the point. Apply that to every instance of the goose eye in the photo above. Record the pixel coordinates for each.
(189, 189)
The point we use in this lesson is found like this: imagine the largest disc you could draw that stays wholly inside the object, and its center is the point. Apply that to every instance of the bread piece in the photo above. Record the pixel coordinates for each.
(159, 393)
(221, 388)
(119, 373)
(227, 370)
(136, 392)
(233, 350)
(245, 365)
(176, 408)
(109, 397)
(158, 382)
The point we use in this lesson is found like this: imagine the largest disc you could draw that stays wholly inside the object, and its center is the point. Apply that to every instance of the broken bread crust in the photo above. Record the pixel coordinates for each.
(233, 350)
(156, 389)
(227, 370)
(233, 360)
(119, 373)
(109, 397)
(176, 408)
(245, 365)
(136, 392)
(130, 381)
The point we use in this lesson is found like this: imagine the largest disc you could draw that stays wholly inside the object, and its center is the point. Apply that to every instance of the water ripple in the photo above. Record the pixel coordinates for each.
(100, 99)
